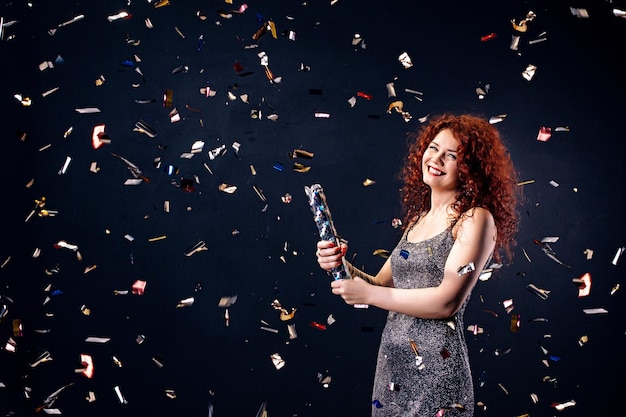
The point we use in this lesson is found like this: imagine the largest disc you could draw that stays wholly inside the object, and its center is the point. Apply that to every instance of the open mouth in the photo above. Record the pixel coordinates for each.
(435, 171)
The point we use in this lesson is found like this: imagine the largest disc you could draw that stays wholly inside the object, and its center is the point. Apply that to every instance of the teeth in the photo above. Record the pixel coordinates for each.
(434, 171)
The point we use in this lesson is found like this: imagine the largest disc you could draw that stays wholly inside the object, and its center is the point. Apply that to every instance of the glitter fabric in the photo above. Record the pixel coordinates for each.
(443, 381)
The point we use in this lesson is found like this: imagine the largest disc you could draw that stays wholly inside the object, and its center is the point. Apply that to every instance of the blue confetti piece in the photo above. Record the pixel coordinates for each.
(128, 63)
(404, 253)
(377, 404)
(278, 167)
(554, 358)
(56, 292)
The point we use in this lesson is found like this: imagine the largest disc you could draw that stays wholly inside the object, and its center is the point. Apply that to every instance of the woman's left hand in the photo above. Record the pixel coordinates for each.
(353, 291)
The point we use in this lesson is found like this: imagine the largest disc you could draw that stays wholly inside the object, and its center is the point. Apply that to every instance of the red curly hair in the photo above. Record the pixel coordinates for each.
(487, 177)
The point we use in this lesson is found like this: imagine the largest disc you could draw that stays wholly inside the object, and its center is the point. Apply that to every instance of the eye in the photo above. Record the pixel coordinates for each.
(432, 147)
(452, 156)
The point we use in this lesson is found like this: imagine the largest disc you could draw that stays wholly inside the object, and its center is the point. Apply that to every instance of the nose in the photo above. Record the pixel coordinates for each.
(439, 157)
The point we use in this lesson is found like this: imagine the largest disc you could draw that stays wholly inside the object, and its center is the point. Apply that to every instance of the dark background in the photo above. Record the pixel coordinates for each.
(579, 84)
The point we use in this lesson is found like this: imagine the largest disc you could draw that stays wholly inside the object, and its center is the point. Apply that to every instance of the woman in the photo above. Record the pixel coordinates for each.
(459, 199)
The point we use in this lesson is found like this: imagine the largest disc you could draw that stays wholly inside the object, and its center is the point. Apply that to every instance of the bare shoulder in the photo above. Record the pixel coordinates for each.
(475, 221)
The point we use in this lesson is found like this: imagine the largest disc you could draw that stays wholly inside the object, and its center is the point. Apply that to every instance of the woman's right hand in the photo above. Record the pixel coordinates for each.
(329, 254)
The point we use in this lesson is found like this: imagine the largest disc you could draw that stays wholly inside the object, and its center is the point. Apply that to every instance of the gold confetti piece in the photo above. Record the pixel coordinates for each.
(157, 238)
(48, 92)
(272, 27)
(522, 25)
(367, 182)
(301, 153)
(185, 302)
(259, 192)
(227, 301)
(405, 60)
(398, 106)
(383, 253)
(485, 274)
(277, 360)
(474, 328)
(541, 293)
(25, 101)
(298, 167)
(562, 406)
(229, 189)
(497, 119)
(583, 340)
(198, 247)
(529, 72)
(90, 268)
(117, 16)
(161, 3)
(614, 289)
(285, 315)
(482, 92)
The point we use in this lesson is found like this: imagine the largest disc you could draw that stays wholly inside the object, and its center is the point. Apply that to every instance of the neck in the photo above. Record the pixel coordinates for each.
(441, 202)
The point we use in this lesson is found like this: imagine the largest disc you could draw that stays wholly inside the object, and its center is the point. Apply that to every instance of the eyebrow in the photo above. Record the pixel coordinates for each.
(449, 150)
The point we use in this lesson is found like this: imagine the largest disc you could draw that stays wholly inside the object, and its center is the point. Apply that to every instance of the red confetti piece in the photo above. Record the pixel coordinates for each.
(317, 325)
(488, 37)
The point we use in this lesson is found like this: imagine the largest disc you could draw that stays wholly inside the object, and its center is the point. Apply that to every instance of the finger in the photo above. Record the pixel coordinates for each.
(324, 244)
(334, 251)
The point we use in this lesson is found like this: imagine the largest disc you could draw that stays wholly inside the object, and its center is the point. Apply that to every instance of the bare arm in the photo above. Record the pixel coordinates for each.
(331, 256)
(475, 242)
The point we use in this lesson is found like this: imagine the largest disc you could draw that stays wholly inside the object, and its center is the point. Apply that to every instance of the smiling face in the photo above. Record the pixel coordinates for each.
(439, 165)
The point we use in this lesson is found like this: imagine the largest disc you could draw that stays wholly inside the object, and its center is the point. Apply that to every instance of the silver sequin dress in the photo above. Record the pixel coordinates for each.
(444, 382)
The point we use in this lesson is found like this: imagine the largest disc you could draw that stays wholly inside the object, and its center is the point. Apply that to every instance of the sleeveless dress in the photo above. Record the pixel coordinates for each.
(402, 388)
